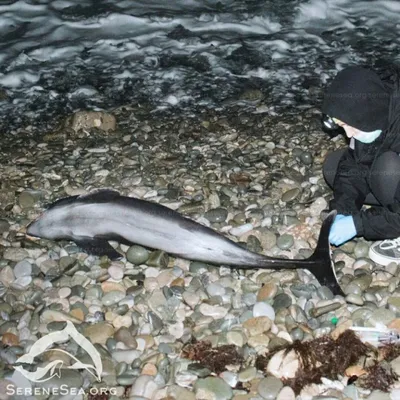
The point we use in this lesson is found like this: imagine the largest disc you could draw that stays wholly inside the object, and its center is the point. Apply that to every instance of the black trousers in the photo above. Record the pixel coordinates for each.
(384, 177)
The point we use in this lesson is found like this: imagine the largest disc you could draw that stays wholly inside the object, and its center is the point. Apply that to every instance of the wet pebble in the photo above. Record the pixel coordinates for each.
(269, 387)
(290, 195)
(285, 241)
(303, 290)
(212, 388)
(257, 325)
(23, 268)
(216, 215)
(355, 299)
(363, 281)
(282, 300)
(247, 374)
(116, 272)
(112, 298)
(297, 334)
(361, 249)
(306, 158)
(137, 254)
(268, 291)
(99, 333)
(286, 393)
(380, 316)
(262, 309)
(15, 254)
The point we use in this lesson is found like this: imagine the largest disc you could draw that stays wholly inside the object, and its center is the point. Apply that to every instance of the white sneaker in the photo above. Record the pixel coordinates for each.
(386, 251)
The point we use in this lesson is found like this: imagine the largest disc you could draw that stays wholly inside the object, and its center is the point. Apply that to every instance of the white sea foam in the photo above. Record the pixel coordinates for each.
(182, 52)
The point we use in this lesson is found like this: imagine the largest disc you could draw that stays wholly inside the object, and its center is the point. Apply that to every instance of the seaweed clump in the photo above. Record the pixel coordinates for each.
(321, 357)
(379, 376)
(215, 359)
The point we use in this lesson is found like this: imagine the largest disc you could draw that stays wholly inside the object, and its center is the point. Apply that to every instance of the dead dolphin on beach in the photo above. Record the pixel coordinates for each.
(93, 219)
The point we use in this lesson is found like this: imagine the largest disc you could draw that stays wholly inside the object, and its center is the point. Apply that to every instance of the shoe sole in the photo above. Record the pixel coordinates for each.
(381, 260)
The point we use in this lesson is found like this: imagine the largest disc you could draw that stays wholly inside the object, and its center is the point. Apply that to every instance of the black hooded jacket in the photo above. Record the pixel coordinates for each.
(351, 184)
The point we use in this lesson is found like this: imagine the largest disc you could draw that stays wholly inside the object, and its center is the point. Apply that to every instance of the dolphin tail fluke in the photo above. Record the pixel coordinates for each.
(323, 268)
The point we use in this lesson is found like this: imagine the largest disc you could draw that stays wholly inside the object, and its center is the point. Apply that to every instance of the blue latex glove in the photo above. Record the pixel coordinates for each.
(343, 229)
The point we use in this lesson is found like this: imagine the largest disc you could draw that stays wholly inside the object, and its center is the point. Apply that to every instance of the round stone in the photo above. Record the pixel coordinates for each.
(22, 282)
(297, 334)
(7, 276)
(269, 387)
(282, 300)
(23, 268)
(355, 299)
(197, 267)
(99, 333)
(247, 374)
(286, 393)
(235, 337)
(15, 254)
(285, 241)
(112, 298)
(363, 280)
(116, 272)
(257, 325)
(380, 316)
(262, 309)
(302, 290)
(325, 293)
(64, 292)
(240, 218)
(199, 370)
(216, 215)
(126, 380)
(352, 288)
(268, 240)
(212, 388)
(124, 335)
(26, 199)
(229, 377)
(290, 195)
(306, 158)
(361, 249)
(216, 312)
(137, 254)
(268, 291)
(78, 290)
(214, 289)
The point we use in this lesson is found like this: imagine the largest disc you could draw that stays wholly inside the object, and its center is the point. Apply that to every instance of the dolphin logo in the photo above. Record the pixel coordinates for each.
(53, 369)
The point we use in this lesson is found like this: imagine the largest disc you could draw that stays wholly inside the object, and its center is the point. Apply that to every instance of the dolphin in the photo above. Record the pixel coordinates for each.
(93, 219)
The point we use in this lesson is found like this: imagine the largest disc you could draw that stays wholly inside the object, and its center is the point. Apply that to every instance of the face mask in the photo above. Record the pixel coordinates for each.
(367, 137)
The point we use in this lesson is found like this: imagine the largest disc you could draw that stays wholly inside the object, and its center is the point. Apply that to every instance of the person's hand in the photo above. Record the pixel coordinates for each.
(342, 230)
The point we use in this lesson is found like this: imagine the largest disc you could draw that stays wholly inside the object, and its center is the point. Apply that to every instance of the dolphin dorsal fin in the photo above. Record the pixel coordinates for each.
(99, 196)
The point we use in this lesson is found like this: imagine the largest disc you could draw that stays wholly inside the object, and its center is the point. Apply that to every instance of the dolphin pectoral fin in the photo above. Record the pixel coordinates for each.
(97, 247)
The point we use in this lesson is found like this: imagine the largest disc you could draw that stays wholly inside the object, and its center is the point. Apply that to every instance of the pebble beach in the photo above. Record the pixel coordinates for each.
(256, 178)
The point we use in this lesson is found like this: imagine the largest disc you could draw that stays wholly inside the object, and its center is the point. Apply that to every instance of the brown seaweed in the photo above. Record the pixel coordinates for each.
(215, 359)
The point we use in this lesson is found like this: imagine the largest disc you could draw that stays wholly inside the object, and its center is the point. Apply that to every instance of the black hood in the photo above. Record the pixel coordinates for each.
(358, 97)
